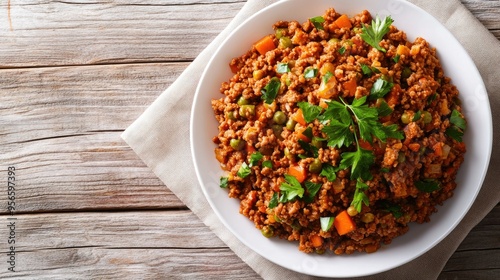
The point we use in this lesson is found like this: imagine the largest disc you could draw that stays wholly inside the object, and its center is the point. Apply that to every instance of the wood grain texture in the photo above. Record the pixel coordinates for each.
(73, 75)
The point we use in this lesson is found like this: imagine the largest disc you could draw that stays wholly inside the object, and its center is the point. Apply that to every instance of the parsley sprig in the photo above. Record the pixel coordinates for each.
(458, 126)
(373, 34)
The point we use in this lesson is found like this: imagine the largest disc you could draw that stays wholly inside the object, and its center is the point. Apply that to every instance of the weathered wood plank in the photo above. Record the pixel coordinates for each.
(60, 127)
(487, 12)
(42, 32)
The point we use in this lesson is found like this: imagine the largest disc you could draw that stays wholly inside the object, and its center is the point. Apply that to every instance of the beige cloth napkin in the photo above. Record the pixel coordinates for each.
(161, 136)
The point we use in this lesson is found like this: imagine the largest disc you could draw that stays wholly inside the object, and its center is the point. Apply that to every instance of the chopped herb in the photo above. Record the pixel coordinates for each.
(329, 172)
(244, 171)
(380, 88)
(427, 185)
(373, 34)
(360, 162)
(312, 190)
(457, 120)
(359, 196)
(274, 201)
(432, 98)
(310, 150)
(308, 132)
(291, 188)
(282, 68)
(384, 109)
(310, 73)
(342, 50)
(417, 116)
(395, 209)
(327, 77)
(223, 182)
(310, 111)
(458, 126)
(255, 158)
(270, 91)
(384, 170)
(368, 70)
(318, 22)
(339, 134)
(326, 223)
(396, 58)
(267, 163)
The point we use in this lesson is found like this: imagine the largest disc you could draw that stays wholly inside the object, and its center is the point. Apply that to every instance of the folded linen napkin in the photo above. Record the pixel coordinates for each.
(164, 125)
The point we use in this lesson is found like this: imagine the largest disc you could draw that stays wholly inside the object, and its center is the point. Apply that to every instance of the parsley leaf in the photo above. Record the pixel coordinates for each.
(255, 158)
(328, 75)
(359, 196)
(427, 185)
(291, 188)
(456, 130)
(267, 163)
(223, 182)
(244, 171)
(310, 73)
(326, 223)
(342, 50)
(417, 116)
(384, 109)
(380, 88)
(309, 111)
(274, 201)
(339, 134)
(270, 91)
(329, 172)
(282, 68)
(308, 132)
(360, 162)
(318, 22)
(368, 70)
(373, 34)
(312, 190)
(395, 209)
(396, 58)
(310, 150)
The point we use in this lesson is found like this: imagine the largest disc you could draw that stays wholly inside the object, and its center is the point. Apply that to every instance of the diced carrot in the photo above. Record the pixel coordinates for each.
(316, 240)
(438, 149)
(250, 148)
(414, 147)
(393, 96)
(298, 172)
(323, 104)
(300, 134)
(343, 22)
(365, 145)
(343, 223)
(265, 44)
(351, 86)
(298, 116)
(402, 49)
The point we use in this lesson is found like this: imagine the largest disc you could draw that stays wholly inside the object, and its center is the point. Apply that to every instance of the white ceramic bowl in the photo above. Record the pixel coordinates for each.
(421, 237)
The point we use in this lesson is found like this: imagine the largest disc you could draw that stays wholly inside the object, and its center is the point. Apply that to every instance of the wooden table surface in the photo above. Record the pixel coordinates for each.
(73, 75)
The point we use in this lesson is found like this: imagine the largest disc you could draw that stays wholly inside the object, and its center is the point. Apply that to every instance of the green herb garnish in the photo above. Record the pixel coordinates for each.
(342, 50)
(427, 185)
(395, 209)
(326, 223)
(291, 188)
(223, 182)
(359, 196)
(274, 201)
(380, 88)
(368, 70)
(244, 171)
(267, 163)
(318, 22)
(329, 172)
(417, 116)
(282, 68)
(396, 58)
(384, 109)
(255, 158)
(312, 190)
(326, 77)
(310, 73)
(270, 91)
(458, 126)
(310, 111)
(373, 34)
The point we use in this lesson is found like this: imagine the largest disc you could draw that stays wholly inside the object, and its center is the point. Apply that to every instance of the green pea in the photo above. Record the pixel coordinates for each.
(279, 117)
(267, 231)
(315, 166)
(317, 143)
(280, 32)
(237, 144)
(406, 73)
(285, 42)
(247, 111)
(230, 115)
(427, 117)
(405, 118)
(290, 124)
(242, 101)
(277, 129)
(367, 218)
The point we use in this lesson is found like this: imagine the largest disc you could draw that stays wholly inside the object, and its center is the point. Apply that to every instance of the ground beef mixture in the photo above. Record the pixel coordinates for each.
(263, 137)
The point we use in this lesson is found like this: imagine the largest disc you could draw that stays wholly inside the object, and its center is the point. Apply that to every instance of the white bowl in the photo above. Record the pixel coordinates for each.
(421, 237)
